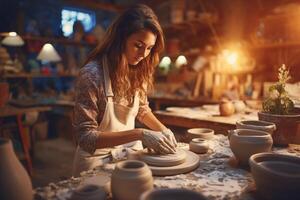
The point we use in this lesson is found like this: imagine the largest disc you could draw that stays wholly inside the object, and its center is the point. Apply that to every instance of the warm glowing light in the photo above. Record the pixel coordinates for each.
(181, 60)
(165, 62)
(12, 34)
(49, 54)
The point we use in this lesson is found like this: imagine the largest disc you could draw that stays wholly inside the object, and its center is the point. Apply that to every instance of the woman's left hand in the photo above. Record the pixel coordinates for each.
(170, 136)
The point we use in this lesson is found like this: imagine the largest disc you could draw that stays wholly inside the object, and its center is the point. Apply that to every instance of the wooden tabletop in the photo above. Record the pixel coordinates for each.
(216, 122)
(9, 110)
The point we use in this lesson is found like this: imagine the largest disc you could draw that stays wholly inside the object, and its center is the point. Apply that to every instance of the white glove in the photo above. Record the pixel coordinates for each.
(170, 135)
(157, 141)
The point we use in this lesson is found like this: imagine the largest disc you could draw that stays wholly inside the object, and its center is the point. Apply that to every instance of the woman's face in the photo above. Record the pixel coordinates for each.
(138, 46)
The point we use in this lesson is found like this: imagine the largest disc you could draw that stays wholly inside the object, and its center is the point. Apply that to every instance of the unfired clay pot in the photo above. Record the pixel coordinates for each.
(130, 179)
(204, 133)
(199, 145)
(89, 192)
(276, 176)
(172, 194)
(226, 108)
(246, 142)
(256, 125)
(14, 180)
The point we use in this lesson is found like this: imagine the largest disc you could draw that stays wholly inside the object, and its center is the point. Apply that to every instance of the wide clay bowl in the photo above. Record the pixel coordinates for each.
(246, 142)
(276, 176)
(256, 125)
(172, 194)
(199, 145)
(204, 133)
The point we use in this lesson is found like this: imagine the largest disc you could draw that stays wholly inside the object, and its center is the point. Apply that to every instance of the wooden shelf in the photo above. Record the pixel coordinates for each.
(56, 40)
(186, 24)
(28, 75)
(277, 45)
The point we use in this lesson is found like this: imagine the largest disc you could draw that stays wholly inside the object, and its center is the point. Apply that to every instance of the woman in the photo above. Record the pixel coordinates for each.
(111, 92)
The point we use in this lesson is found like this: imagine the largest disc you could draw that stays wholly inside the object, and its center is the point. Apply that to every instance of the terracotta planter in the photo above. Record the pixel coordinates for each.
(174, 194)
(287, 127)
(130, 179)
(246, 142)
(276, 176)
(4, 91)
(15, 182)
(256, 125)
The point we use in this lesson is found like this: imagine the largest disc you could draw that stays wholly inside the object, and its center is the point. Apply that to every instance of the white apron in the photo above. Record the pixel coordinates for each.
(116, 118)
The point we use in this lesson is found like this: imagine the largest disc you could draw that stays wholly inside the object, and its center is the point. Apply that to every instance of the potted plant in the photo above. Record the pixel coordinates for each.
(279, 109)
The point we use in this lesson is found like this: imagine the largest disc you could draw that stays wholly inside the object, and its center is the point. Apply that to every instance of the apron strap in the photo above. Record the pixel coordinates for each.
(107, 81)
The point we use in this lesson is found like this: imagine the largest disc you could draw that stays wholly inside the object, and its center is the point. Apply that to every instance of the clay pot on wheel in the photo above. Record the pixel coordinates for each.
(15, 182)
(246, 142)
(130, 179)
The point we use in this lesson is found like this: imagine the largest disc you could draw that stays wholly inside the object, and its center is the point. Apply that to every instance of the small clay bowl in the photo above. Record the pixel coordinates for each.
(172, 194)
(256, 125)
(199, 145)
(204, 133)
(276, 176)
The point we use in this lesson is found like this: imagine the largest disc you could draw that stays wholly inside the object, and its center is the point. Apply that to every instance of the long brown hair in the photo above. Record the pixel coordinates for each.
(126, 80)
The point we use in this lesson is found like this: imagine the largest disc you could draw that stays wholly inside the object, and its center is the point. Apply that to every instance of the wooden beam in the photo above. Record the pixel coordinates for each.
(95, 5)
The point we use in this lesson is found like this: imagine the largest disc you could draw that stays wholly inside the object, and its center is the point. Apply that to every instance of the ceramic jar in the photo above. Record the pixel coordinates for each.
(246, 142)
(276, 176)
(15, 182)
(130, 179)
(256, 125)
(199, 145)
(226, 108)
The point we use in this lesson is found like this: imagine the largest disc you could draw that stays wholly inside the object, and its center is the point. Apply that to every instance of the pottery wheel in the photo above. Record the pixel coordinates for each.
(191, 162)
(163, 160)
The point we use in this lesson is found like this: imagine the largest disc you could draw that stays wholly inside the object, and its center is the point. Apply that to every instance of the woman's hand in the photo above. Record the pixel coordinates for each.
(157, 141)
(170, 135)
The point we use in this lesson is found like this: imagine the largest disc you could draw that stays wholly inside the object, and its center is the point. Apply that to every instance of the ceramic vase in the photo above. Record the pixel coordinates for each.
(226, 108)
(130, 179)
(14, 180)
(246, 142)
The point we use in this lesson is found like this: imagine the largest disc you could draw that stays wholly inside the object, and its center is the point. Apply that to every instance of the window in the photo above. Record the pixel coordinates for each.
(70, 15)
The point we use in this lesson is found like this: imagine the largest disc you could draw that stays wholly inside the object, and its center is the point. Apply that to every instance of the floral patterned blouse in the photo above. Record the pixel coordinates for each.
(90, 103)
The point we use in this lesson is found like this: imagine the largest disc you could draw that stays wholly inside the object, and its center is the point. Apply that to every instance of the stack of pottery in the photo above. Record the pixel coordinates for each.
(276, 176)
(130, 179)
(246, 142)
(174, 194)
(15, 182)
(256, 125)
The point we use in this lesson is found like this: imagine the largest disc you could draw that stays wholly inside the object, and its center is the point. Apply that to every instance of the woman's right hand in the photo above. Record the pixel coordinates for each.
(157, 141)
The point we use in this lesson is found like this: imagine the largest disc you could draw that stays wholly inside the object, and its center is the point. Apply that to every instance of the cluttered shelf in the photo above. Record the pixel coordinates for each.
(57, 40)
(31, 75)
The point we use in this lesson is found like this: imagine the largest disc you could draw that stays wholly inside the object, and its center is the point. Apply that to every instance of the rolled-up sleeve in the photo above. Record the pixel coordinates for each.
(143, 108)
(86, 110)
